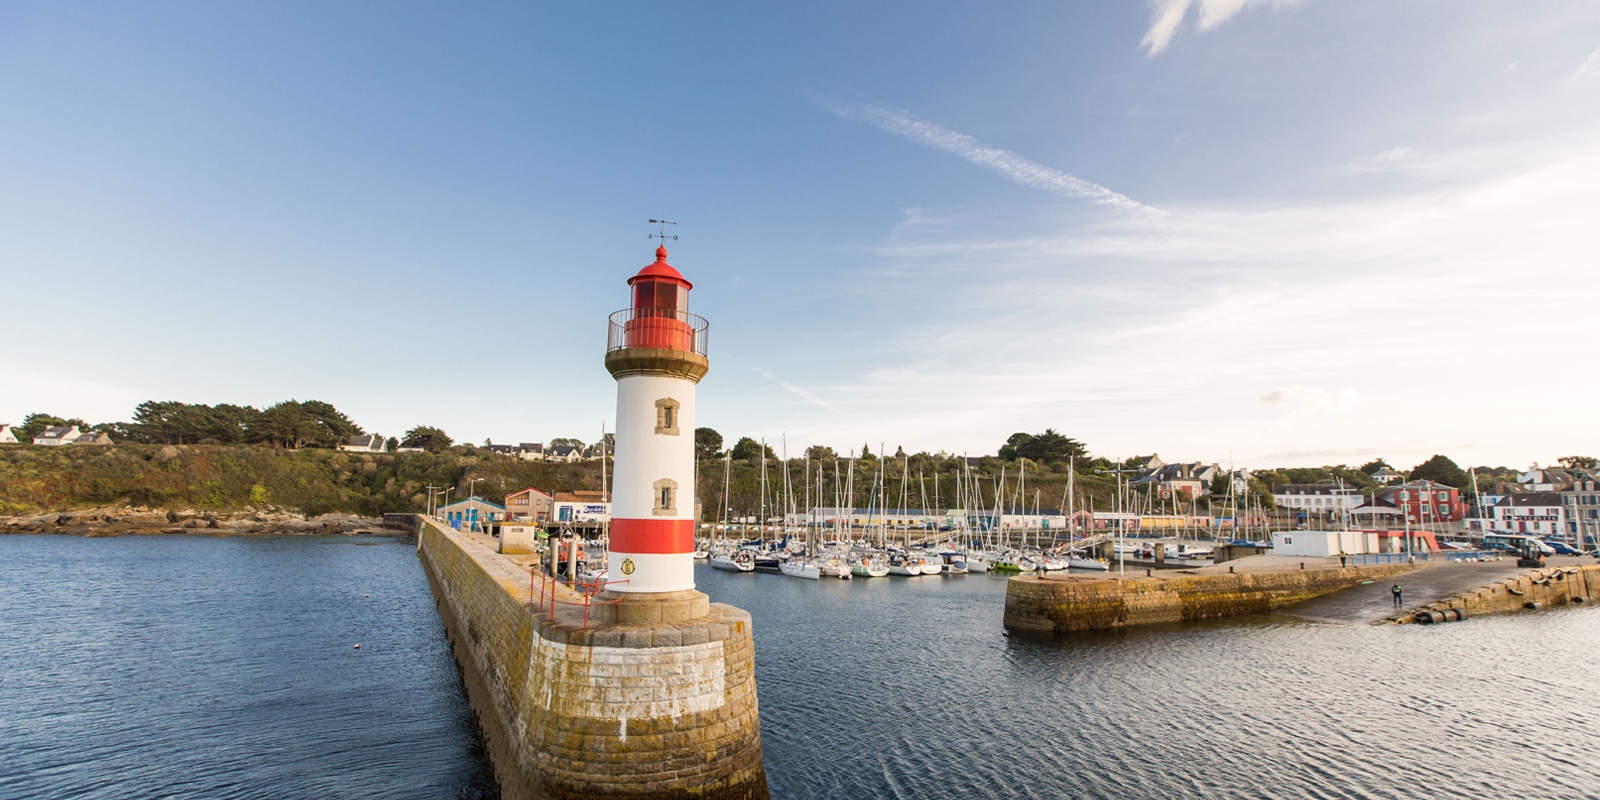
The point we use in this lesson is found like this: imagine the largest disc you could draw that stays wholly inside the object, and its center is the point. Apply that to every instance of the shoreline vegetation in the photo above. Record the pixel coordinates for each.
(139, 521)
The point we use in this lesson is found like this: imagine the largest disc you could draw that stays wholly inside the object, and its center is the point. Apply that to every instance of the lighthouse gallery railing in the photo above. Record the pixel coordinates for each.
(657, 328)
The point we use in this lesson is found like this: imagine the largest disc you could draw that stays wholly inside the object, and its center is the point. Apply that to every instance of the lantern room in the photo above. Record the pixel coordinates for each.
(659, 318)
(660, 288)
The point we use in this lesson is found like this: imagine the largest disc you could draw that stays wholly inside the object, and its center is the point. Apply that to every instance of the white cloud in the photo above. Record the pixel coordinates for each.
(1590, 66)
(1304, 325)
(1006, 163)
(809, 395)
(1167, 16)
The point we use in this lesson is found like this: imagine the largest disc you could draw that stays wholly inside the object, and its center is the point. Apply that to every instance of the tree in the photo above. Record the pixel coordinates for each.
(1374, 465)
(866, 452)
(392, 444)
(707, 443)
(1440, 470)
(899, 451)
(565, 442)
(332, 427)
(1579, 462)
(819, 452)
(1047, 446)
(428, 438)
(748, 449)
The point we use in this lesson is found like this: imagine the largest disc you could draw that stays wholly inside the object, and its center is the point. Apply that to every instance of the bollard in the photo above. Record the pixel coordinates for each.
(1147, 572)
(1302, 565)
(1230, 569)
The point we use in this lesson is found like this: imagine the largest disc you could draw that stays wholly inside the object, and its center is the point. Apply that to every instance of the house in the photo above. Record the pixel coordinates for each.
(6, 436)
(530, 504)
(100, 438)
(471, 514)
(1181, 481)
(531, 451)
(366, 443)
(1533, 513)
(1581, 498)
(56, 436)
(1326, 500)
(1423, 501)
(582, 507)
(502, 449)
(594, 451)
(1385, 476)
(565, 453)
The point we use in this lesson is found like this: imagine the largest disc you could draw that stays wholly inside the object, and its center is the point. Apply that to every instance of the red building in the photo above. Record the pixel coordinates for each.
(1424, 501)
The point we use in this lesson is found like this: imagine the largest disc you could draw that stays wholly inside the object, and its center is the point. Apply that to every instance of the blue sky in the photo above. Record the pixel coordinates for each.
(1253, 230)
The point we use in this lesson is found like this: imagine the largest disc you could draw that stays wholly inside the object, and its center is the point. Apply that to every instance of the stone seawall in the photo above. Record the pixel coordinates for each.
(655, 710)
(1068, 605)
(1552, 586)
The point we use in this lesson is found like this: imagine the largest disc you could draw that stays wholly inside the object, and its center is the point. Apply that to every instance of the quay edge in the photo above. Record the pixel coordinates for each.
(655, 711)
(1035, 605)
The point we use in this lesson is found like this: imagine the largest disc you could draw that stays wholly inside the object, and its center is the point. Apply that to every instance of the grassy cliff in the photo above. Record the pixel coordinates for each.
(312, 481)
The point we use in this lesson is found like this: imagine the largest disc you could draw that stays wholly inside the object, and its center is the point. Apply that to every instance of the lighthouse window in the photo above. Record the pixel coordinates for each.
(644, 294)
(667, 416)
(666, 497)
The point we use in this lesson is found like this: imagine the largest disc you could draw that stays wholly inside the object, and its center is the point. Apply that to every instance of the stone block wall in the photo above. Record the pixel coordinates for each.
(1065, 606)
(1552, 586)
(659, 710)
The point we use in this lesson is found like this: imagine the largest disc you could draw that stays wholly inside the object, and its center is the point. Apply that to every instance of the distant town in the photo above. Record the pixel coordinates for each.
(1025, 484)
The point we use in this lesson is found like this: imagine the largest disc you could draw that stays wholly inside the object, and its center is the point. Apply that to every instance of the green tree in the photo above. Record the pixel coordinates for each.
(819, 452)
(1440, 470)
(866, 453)
(1047, 446)
(565, 442)
(707, 443)
(286, 425)
(1578, 462)
(428, 438)
(1374, 465)
(748, 449)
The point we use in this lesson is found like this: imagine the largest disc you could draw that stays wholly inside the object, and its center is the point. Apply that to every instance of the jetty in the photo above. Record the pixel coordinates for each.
(1313, 589)
(579, 697)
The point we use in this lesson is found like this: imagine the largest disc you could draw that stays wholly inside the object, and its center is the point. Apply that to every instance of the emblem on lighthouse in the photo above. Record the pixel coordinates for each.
(627, 566)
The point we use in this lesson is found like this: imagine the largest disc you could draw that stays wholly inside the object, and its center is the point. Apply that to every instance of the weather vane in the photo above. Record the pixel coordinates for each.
(663, 234)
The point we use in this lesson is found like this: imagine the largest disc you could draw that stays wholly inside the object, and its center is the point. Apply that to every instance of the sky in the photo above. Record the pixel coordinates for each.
(1258, 232)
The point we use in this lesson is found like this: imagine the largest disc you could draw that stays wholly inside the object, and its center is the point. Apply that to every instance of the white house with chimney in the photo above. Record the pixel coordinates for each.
(55, 436)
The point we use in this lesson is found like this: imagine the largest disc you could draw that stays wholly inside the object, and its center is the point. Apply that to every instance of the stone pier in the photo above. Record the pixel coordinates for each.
(1069, 604)
(642, 700)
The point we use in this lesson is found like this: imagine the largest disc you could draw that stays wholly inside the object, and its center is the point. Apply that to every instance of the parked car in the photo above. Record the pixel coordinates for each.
(1562, 548)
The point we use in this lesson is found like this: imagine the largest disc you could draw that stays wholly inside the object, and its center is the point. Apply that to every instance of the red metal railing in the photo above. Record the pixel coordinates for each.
(542, 587)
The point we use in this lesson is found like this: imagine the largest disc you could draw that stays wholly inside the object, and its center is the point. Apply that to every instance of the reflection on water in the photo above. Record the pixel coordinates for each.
(898, 688)
(199, 667)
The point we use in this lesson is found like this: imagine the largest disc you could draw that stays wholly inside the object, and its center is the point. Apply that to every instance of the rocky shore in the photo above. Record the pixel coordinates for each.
(133, 520)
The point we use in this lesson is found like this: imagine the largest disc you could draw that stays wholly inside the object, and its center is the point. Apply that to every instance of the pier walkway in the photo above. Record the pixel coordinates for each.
(1371, 604)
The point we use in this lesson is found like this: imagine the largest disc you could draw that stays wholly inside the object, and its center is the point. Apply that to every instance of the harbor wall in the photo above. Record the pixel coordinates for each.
(568, 709)
(1065, 606)
(1551, 586)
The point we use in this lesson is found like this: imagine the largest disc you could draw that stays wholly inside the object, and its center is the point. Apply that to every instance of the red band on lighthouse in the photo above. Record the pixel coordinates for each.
(652, 536)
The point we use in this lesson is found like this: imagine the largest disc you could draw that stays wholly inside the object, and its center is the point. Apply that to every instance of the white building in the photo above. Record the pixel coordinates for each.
(1323, 499)
(366, 443)
(6, 436)
(56, 436)
(1322, 544)
(1531, 513)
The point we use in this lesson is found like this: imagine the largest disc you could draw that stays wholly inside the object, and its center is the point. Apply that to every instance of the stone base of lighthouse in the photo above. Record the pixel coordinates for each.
(653, 696)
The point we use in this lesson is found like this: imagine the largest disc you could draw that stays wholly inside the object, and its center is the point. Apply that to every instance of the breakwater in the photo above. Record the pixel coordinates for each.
(662, 705)
(1067, 605)
(1552, 586)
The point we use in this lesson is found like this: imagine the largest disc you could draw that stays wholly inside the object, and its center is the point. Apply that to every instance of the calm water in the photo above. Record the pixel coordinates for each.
(223, 667)
(907, 688)
(199, 667)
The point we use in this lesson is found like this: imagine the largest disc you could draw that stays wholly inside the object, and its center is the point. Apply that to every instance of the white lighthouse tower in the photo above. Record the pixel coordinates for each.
(656, 350)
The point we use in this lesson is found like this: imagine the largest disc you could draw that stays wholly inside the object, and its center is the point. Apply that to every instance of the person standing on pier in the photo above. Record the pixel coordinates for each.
(1395, 590)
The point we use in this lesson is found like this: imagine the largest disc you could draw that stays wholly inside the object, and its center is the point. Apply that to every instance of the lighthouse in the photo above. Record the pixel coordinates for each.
(656, 351)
